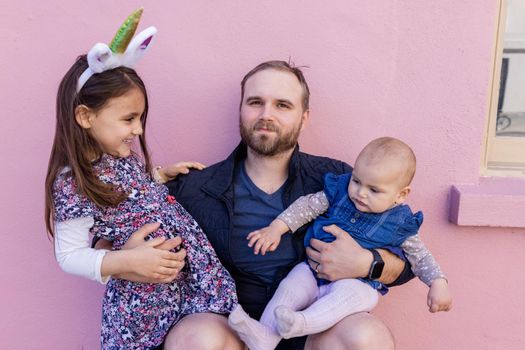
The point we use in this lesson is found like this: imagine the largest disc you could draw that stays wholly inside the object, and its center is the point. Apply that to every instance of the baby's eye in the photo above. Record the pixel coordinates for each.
(356, 181)
(374, 190)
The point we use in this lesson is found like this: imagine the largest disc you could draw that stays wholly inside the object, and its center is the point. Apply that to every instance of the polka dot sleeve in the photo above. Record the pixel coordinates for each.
(304, 210)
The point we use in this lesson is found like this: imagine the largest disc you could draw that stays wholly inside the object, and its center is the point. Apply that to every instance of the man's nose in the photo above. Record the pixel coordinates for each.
(267, 112)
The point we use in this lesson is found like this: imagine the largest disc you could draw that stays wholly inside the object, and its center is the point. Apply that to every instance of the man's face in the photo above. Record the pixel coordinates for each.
(271, 115)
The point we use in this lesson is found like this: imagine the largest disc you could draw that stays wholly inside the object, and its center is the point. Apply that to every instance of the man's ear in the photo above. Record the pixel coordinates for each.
(402, 195)
(83, 116)
(304, 118)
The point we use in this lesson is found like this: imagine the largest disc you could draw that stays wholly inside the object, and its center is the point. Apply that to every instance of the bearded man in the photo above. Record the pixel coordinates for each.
(246, 191)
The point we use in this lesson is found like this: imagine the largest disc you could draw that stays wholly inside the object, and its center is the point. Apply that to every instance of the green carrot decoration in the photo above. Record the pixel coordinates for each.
(125, 33)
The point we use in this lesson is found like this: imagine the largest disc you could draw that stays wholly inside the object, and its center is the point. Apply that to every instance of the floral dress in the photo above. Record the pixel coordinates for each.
(139, 315)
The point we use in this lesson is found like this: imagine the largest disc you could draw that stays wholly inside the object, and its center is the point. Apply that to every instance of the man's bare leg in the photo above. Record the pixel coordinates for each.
(360, 331)
(204, 331)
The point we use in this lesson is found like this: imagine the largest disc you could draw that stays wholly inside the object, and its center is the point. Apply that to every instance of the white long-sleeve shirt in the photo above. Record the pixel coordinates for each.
(73, 251)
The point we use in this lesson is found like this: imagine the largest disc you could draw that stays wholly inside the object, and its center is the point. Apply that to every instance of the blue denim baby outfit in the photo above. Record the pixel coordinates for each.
(370, 230)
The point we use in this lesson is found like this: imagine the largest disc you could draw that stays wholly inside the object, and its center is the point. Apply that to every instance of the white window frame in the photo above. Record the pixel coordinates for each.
(503, 155)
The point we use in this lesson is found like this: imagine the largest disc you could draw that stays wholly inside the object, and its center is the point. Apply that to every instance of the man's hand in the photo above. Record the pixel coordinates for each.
(172, 171)
(268, 238)
(342, 258)
(439, 298)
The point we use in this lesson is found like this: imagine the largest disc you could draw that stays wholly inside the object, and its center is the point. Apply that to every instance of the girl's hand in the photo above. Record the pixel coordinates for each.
(151, 261)
(172, 171)
(439, 298)
(268, 238)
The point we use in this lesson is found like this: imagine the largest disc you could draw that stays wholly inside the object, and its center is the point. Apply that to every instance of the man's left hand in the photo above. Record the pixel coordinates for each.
(342, 258)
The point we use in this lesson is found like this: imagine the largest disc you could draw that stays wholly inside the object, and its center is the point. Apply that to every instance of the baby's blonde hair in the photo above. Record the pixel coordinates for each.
(390, 149)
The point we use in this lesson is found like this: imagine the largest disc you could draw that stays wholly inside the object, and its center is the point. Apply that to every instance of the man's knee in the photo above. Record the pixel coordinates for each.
(370, 334)
(202, 332)
(356, 332)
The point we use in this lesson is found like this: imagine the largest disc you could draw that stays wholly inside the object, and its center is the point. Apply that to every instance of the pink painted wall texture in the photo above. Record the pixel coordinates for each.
(417, 70)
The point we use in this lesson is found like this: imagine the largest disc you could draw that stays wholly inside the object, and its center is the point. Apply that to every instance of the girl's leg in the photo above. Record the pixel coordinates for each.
(204, 331)
(296, 291)
(340, 299)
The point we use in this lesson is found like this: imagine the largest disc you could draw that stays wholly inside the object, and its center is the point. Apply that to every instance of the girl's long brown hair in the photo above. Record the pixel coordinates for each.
(74, 147)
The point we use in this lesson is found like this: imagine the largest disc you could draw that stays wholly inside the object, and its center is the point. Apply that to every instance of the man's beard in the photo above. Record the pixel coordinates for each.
(265, 145)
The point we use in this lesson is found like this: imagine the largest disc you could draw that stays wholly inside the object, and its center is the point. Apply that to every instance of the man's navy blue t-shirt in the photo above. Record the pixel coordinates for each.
(253, 210)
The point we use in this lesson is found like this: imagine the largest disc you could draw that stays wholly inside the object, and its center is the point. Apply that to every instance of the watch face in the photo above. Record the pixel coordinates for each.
(376, 270)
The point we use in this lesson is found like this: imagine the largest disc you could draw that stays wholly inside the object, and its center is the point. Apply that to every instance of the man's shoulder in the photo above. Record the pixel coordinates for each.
(321, 164)
(206, 173)
(195, 179)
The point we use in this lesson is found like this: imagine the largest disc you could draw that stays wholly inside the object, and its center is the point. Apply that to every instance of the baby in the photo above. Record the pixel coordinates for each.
(368, 204)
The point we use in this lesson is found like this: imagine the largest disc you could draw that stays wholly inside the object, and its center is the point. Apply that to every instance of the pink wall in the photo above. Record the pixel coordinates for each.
(418, 70)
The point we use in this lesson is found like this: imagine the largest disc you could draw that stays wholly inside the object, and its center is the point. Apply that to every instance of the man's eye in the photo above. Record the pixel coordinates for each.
(283, 105)
(254, 103)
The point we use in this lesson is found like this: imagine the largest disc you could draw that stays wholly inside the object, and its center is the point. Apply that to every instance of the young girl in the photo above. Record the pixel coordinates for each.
(96, 184)
(368, 204)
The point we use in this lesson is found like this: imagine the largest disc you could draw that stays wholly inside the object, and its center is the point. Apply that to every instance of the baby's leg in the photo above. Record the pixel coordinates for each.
(342, 298)
(296, 291)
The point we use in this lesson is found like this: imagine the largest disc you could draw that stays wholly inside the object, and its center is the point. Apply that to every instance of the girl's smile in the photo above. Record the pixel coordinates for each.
(116, 125)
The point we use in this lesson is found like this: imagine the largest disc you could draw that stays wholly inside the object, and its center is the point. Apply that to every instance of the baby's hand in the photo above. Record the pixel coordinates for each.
(172, 171)
(268, 238)
(439, 298)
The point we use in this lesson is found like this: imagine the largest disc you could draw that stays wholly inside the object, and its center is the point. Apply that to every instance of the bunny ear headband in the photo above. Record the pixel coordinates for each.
(123, 51)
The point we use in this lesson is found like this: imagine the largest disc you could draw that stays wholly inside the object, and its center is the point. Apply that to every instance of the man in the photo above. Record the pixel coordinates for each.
(245, 192)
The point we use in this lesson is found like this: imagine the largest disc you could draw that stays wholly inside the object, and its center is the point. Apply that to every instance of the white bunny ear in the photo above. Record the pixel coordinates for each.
(100, 58)
(138, 46)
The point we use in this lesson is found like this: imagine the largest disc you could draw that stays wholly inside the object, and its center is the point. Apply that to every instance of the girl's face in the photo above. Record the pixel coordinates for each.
(116, 125)
(375, 187)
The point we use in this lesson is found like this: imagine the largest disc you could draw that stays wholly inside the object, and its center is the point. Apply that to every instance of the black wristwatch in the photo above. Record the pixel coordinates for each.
(376, 269)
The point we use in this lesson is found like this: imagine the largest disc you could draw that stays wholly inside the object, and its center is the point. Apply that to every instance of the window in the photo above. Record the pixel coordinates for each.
(505, 146)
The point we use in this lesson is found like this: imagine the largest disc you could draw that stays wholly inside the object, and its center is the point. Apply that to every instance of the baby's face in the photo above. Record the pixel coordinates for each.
(375, 187)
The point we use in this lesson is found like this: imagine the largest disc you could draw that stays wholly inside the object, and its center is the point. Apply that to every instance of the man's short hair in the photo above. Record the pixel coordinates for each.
(284, 67)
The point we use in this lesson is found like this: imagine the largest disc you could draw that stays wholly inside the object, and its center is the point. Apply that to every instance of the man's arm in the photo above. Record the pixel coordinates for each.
(345, 258)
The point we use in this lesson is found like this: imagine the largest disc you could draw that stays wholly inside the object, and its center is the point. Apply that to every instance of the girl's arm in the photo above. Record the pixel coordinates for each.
(72, 250)
(164, 174)
(75, 256)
